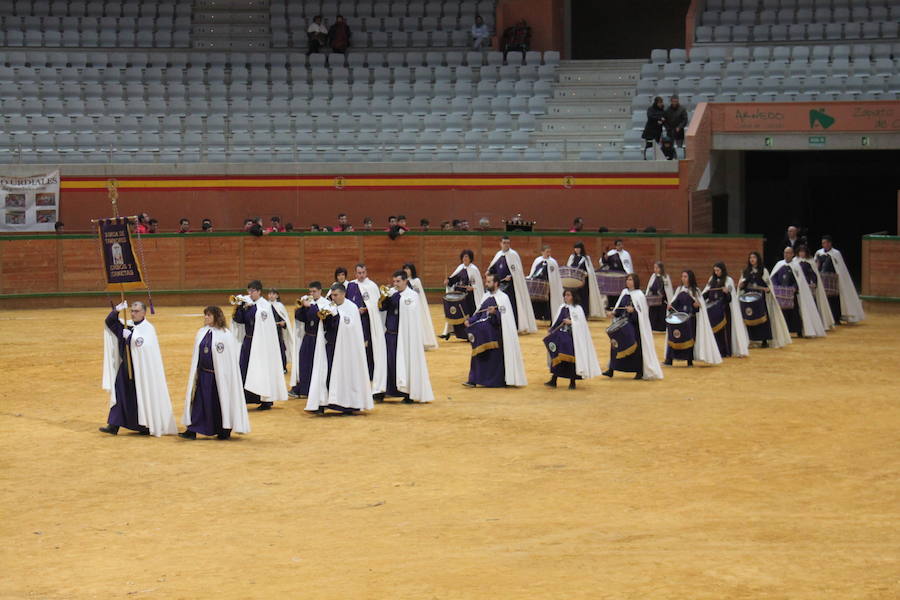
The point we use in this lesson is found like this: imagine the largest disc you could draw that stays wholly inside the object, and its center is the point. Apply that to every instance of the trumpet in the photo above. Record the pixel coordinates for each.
(385, 290)
(327, 311)
(303, 299)
(239, 299)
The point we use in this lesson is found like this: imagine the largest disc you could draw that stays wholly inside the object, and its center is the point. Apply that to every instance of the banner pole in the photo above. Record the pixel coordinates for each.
(112, 187)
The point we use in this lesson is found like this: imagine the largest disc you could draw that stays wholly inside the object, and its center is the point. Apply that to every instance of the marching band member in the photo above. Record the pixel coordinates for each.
(507, 265)
(769, 328)
(497, 363)
(285, 327)
(134, 375)
(214, 401)
(660, 289)
(589, 293)
(697, 340)
(340, 276)
(465, 278)
(732, 338)
(618, 260)
(839, 288)
(546, 268)
(803, 318)
(307, 326)
(643, 362)
(428, 336)
(570, 351)
(810, 271)
(407, 371)
(364, 293)
(340, 378)
(254, 326)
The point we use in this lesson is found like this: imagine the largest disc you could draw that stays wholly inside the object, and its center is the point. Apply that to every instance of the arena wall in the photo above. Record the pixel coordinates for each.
(881, 267)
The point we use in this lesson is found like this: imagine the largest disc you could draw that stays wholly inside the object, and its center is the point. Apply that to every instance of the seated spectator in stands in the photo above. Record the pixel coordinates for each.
(248, 223)
(399, 228)
(58, 226)
(339, 35)
(276, 226)
(676, 121)
(401, 223)
(143, 223)
(256, 227)
(425, 224)
(668, 148)
(206, 226)
(484, 223)
(368, 224)
(184, 226)
(317, 35)
(392, 222)
(456, 223)
(446, 226)
(577, 225)
(152, 226)
(602, 229)
(656, 119)
(315, 227)
(343, 223)
(464, 225)
(481, 34)
(288, 227)
(517, 38)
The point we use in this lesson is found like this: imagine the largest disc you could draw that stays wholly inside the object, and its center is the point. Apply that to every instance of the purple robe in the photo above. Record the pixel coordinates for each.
(763, 331)
(683, 302)
(459, 282)
(612, 262)
(487, 368)
(502, 271)
(206, 409)
(542, 307)
(331, 324)
(355, 295)
(125, 412)
(723, 335)
(310, 319)
(584, 292)
(391, 306)
(634, 362)
(562, 350)
(785, 278)
(658, 313)
(247, 317)
(280, 327)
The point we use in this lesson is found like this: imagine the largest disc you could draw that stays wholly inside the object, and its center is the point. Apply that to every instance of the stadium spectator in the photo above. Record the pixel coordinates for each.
(656, 119)
(392, 222)
(288, 227)
(676, 120)
(143, 223)
(464, 225)
(425, 224)
(484, 223)
(455, 223)
(401, 223)
(577, 225)
(276, 226)
(481, 33)
(152, 226)
(517, 38)
(667, 147)
(58, 227)
(446, 226)
(317, 34)
(368, 224)
(339, 35)
(315, 227)
(343, 223)
(184, 226)
(206, 226)
(399, 228)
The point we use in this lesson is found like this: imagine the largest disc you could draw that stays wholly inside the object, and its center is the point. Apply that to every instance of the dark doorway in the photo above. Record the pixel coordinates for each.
(605, 30)
(843, 193)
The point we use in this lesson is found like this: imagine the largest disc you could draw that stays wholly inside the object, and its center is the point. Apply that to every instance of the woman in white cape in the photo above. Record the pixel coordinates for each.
(214, 400)
(428, 337)
(632, 304)
(688, 299)
(570, 350)
(660, 288)
(465, 278)
(720, 286)
(810, 271)
(770, 329)
(589, 294)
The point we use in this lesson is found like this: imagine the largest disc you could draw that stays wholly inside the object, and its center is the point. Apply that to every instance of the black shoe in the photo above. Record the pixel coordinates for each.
(379, 397)
(690, 363)
(408, 400)
(293, 395)
(571, 384)
(668, 363)
(765, 344)
(144, 431)
(188, 435)
(468, 384)
(639, 376)
(224, 435)
(110, 429)
(445, 336)
(264, 406)
(551, 383)
(608, 373)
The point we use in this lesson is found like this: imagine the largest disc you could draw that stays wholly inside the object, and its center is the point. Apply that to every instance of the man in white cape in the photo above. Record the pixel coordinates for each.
(487, 367)
(306, 324)
(507, 265)
(805, 305)
(134, 375)
(843, 299)
(650, 361)
(364, 293)
(547, 268)
(340, 379)
(216, 347)
(254, 328)
(407, 371)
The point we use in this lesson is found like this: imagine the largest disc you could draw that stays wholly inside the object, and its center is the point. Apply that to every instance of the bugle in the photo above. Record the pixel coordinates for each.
(238, 299)
(303, 299)
(327, 311)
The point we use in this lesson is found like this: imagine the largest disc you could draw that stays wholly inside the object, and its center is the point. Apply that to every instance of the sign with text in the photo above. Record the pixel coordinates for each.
(29, 203)
(808, 117)
(120, 263)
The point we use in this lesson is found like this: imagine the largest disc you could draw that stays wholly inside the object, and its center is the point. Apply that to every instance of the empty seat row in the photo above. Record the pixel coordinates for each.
(95, 8)
(720, 5)
(796, 32)
(388, 24)
(364, 8)
(381, 39)
(782, 68)
(801, 52)
(105, 39)
(787, 16)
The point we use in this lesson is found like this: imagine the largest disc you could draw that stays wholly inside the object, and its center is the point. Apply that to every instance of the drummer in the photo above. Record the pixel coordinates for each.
(545, 268)
(466, 278)
(762, 317)
(632, 307)
(618, 260)
(497, 360)
(692, 337)
(659, 293)
(809, 268)
(795, 299)
(588, 294)
(731, 336)
(571, 353)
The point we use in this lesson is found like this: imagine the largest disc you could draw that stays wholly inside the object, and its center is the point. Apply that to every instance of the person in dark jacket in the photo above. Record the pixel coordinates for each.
(676, 121)
(339, 35)
(656, 119)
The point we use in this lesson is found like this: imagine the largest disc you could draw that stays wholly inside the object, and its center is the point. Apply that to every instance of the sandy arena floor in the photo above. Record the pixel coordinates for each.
(776, 476)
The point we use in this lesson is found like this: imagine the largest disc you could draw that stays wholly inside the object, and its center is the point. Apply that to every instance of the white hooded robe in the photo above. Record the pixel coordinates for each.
(652, 368)
(526, 322)
(226, 356)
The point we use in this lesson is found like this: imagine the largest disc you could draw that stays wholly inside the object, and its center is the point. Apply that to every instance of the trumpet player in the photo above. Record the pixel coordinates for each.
(307, 328)
(407, 371)
(364, 293)
(254, 326)
(339, 379)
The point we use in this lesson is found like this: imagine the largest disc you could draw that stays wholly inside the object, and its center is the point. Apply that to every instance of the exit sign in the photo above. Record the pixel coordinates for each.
(817, 140)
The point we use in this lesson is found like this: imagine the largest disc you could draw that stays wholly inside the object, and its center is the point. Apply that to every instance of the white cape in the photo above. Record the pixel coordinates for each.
(652, 368)
(429, 340)
(705, 347)
(556, 288)
(264, 373)
(740, 339)
(287, 334)
(350, 385)
(526, 322)
(412, 370)
(780, 335)
(598, 302)
(625, 257)
(299, 332)
(809, 313)
(226, 357)
(371, 294)
(474, 280)
(512, 352)
(667, 286)
(586, 363)
(153, 402)
(851, 307)
(821, 298)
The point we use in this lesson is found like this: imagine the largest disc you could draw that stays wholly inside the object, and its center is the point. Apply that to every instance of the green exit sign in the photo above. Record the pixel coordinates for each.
(817, 140)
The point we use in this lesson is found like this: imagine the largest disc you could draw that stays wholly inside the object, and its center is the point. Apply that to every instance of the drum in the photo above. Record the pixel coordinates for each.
(830, 283)
(572, 278)
(680, 335)
(622, 337)
(654, 299)
(611, 283)
(538, 289)
(483, 336)
(784, 295)
(753, 307)
(453, 307)
(717, 311)
(560, 346)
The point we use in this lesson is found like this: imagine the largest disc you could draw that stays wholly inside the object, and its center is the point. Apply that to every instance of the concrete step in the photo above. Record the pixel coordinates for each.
(580, 109)
(600, 65)
(586, 126)
(231, 17)
(599, 78)
(594, 92)
(220, 30)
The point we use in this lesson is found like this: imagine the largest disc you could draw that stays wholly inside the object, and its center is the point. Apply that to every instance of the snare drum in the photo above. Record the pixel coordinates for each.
(654, 299)
(784, 294)
(753, 307)
(622, 337)
(453, 307)
(718, 315)
(830, 283)
(680, 334)
(572, 278)
(611, 283)
(483, 336)
(538, 289)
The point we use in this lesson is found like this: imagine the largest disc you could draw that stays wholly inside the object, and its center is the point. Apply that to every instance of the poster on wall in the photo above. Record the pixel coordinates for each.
(29, 203)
